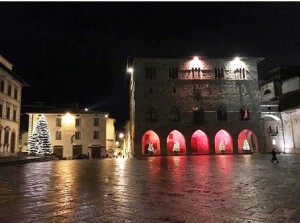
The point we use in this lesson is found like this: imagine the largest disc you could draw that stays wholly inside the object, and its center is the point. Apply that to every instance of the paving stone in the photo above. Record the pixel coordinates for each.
(182, 189)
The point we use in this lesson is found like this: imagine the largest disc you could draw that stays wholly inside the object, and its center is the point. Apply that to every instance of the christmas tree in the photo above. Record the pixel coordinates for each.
(40, 141)
(246, 146)
(176, 147)
(222, 146)
(150, 147)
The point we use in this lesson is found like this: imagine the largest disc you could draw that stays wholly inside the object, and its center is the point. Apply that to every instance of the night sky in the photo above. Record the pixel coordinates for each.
(76, 52)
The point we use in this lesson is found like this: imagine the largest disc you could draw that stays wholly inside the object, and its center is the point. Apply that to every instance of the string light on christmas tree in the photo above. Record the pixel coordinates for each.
(246, 146)
(40, 141)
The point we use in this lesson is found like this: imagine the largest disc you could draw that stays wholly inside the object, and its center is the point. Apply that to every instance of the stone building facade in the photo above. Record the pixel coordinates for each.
(76, 131)
(10, 106)
(194, 106)
(280, 96)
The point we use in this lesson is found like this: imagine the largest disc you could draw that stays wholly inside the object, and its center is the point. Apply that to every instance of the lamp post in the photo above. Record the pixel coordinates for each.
(121, 138)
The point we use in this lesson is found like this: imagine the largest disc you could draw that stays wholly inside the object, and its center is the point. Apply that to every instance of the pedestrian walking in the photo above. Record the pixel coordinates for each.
(274, 158)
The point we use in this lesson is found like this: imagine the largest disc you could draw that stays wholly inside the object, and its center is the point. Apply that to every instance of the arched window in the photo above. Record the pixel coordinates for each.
(12, 142)
(151, 114)
(244, 113)
(174, 114)
(267, 92)
(221, 113)
(6, 135)
(198, 115)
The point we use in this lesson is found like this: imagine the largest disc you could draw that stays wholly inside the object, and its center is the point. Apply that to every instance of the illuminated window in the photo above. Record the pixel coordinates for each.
(58, 122)
(96, 135)
(77, 122)
(96, 121)
(77, 135)
(58, 135)
(244, 113)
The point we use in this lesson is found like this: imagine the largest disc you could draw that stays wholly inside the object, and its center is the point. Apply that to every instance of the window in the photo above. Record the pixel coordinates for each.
(15, 115)
(150, 73)
(1, 110)
(198, 115)
(2, 85)
(77, 122)
(276, 129)
(221, 114)
(96, 135)
(150, 91)
(267, 92)
(8, 112)
(174, 114)
(77, 135)
(96, 121)
(58, 135)
(9, 90)
(244, 113)
(151, 114)
(174, 90)
(58, 122)
(173, 73)
(16, 93)
(270, 130)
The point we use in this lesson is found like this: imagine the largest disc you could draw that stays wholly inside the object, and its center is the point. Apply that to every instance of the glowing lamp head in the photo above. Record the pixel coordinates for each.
(86, 109)
(106, 116)
(68, 119)
(196, 58)
(130, 70)
(121, 135)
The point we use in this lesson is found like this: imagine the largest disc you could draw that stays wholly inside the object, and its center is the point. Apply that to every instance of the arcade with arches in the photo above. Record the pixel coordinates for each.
(200, 143)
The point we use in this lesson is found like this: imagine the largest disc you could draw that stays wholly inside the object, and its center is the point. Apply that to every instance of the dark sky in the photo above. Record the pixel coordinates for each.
(76, 51)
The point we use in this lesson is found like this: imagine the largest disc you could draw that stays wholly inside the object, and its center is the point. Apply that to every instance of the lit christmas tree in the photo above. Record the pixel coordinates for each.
(222, 146)
(150, 147)
(176, 147)
(40, 142)
(246, 146)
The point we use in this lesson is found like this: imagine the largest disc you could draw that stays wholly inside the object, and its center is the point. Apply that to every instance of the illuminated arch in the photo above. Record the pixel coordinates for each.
(199, 143)
(176, 137)
(223, 139)
(247, 141)
(150, 137)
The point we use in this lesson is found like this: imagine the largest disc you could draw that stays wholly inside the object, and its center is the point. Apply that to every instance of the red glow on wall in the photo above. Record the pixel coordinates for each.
(176, 136)
(199, 143)
(223, 137)
(150, 137)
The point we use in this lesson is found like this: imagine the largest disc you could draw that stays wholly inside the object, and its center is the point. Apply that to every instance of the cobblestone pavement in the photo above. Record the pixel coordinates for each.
(228, 188)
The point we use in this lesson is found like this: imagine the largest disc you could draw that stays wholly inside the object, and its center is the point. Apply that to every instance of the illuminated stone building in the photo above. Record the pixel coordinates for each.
(76, 131)
(10, 105)
(194, 105)
(280, 103)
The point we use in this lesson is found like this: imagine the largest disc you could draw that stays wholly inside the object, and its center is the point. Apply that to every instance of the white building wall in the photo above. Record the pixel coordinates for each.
(289, 85)
(68, 130)
(11, 100)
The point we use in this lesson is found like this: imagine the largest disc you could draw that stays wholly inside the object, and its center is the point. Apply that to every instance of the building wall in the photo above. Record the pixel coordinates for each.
(291, 84)
(68, 129)
(10, 100)
(194, 89)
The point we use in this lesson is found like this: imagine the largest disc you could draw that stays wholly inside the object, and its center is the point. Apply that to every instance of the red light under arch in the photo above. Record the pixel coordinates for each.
(223, 136)
(199, 143)
(150, 137)
(176, 136)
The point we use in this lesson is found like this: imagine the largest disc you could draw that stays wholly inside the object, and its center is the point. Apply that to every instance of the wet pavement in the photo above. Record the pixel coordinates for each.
(228, 188)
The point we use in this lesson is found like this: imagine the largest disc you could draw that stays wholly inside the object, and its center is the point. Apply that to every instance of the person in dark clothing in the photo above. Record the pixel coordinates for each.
(274, 158)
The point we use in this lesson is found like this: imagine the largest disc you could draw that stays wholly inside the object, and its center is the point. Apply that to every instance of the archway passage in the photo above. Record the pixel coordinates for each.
(247, 141)
(150, 143)
(199, 143)
(176, 143)
(223, 142)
